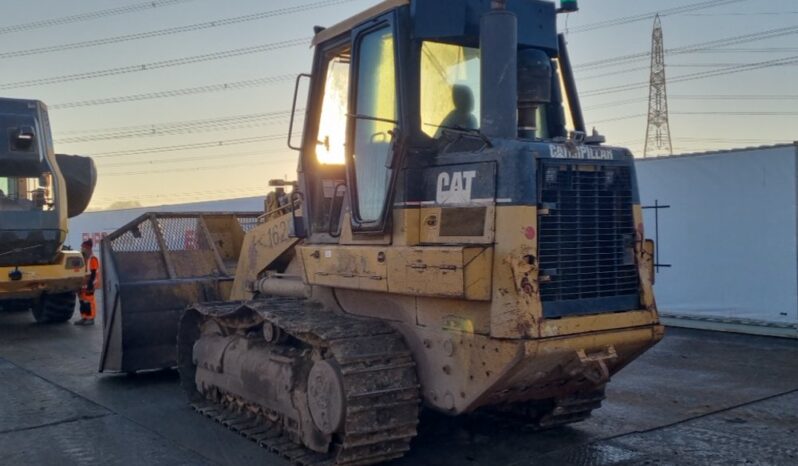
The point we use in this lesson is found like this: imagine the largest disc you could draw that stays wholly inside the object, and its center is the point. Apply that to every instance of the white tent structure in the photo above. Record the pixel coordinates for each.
(727, 226)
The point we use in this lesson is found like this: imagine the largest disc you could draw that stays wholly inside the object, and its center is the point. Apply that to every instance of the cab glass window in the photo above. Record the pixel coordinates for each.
(26, 194)
(331, 146)
(450, 89)
(565, 103)
(375, 122)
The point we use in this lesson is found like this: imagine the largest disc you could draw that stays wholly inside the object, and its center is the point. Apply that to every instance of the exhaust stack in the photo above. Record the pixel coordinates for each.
(499, 62)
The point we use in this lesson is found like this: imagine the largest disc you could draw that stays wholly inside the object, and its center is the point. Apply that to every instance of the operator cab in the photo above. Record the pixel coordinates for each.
(406, 81)
(30, 217)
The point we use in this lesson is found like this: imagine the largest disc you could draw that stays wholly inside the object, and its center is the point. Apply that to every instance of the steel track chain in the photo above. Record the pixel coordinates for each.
(382, 395)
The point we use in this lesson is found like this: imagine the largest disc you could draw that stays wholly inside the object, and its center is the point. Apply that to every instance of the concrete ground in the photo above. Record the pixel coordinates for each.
(697, 398)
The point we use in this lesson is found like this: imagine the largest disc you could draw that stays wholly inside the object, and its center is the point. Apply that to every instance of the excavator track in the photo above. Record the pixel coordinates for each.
(380, 388)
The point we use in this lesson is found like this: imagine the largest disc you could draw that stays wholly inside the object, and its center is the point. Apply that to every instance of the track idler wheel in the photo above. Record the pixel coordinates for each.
(326, 396)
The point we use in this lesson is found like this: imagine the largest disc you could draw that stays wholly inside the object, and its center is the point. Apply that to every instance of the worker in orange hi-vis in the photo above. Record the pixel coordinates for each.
(88, 306)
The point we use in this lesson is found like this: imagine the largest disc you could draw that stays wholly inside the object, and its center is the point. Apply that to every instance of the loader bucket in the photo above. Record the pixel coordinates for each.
(152, 269)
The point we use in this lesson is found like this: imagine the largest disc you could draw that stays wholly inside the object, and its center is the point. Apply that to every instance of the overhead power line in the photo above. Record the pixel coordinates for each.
(217, 128)
(694, 76)
(649, 15)
(246, 84)
(738, 50)
(252, 190)
(182, 127)
(743, 113)
(708, 97)
(193, 158)
(735, 97)
(182, 147)
(157, 65)
(174, 124)
(693, 48)
(750, 13)
(45, 23)
(736, 140)
(740, 113)
(175, 30)
(615, 73)
(192, 168)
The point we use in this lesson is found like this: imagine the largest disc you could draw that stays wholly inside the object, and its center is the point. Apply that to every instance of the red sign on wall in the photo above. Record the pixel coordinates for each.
(190, 240)
(95, 237)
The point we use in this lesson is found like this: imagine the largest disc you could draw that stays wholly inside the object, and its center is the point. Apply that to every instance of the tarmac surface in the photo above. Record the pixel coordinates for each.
(698, 398)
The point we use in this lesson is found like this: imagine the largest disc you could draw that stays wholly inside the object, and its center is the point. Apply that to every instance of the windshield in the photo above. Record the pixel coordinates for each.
(26, 194)
(450, 89)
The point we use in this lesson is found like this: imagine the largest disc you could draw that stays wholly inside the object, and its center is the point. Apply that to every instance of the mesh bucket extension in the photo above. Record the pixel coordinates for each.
(155, 266)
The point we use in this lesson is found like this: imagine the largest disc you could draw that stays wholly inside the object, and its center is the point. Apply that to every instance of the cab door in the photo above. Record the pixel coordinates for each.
(372, 155)
(372, 160)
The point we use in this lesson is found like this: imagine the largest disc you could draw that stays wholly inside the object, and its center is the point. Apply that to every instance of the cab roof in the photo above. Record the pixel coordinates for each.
(458, 21)
(360, 18)
(10, 106)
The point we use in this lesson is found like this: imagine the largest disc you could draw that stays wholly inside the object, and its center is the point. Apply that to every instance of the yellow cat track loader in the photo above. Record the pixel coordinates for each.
(455, 240)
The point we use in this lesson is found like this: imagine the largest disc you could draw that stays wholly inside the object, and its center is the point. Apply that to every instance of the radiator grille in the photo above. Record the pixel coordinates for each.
(586, 239)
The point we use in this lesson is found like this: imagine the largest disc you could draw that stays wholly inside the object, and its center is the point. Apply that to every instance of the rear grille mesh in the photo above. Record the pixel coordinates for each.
(586, 239)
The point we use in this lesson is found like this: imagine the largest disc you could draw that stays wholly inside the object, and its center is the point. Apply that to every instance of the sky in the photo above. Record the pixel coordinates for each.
(200, 111)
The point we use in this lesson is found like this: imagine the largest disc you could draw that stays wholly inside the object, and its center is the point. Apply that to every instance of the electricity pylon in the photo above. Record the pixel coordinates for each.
(658, 134)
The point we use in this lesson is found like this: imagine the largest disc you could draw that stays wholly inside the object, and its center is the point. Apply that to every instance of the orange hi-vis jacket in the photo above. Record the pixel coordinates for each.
(92, 271)
(87, 291)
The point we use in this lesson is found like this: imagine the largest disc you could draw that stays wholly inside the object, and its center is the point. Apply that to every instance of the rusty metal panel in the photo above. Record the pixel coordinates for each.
(453, 315)
(227, 235)
(478, 276)
(354, 267)
(426, 271)
(440, 272)
(515, 308)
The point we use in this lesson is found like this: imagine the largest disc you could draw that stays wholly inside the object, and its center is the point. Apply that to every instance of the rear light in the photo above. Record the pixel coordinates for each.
(74, 263)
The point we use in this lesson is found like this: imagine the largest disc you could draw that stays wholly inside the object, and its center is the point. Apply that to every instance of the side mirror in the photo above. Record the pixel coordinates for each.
(24, 137)
(649, 251)
(293, 112)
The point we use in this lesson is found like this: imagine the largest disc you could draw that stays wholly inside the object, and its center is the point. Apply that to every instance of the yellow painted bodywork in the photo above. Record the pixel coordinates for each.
(260, 247)
(37, 279)
(461, 372)
(443, 271)
(502, 273)
(470, 310)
